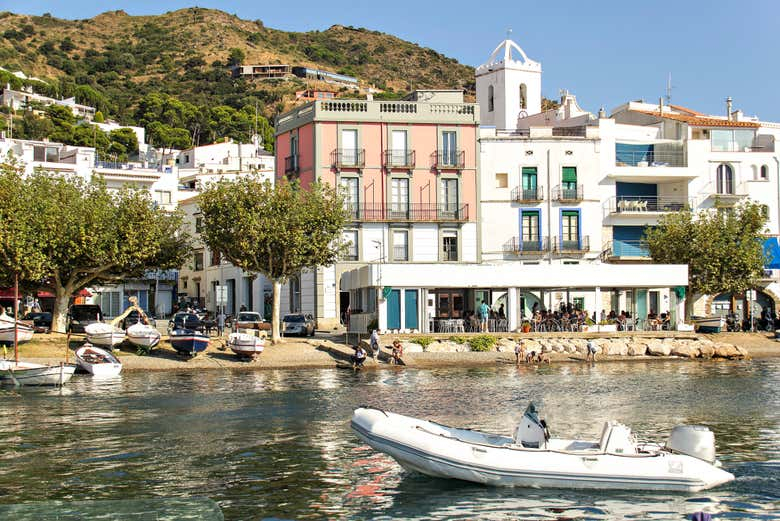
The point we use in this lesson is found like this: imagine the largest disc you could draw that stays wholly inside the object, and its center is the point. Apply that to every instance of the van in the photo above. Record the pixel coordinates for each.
(81, 315)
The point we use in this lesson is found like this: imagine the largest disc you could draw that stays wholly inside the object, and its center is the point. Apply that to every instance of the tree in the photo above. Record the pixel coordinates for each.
(71, 234)
(274, 230)
(236, 56)
(722, 248)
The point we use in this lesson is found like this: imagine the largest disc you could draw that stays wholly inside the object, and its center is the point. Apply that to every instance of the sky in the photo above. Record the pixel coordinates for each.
(606, 52)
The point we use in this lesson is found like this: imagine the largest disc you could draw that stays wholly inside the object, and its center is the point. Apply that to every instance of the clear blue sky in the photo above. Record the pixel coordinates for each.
(606, 52)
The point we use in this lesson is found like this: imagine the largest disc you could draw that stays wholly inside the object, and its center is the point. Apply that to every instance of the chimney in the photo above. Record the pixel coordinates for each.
(728, 108)
(660, 105)
(602, 113)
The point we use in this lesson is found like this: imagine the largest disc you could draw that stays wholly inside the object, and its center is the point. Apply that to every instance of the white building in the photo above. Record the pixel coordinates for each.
(21, 100)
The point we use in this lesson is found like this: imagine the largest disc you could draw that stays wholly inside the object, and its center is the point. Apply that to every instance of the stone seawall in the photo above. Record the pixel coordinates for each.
(688, 346)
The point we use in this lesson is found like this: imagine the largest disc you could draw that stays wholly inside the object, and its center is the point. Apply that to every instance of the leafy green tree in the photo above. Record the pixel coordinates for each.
(99, 117)
(722, 248)
(75, 234)
(124, 139)
(168, 137)
(34, 127)
(236, 56)
(274, 230)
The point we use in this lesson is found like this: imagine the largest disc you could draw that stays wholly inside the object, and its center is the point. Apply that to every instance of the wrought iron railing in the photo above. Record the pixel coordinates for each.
(291, 164)
(522, 195)
(348, 157)
(401, 253)
(449, 159)
(528, 245)
(400, 158)
(576, 245)
(561, 193)
(650, 158)
(641, 203)
(426, 212)
(625, 248)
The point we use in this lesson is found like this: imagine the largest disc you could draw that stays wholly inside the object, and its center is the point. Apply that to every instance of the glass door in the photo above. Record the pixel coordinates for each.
(448, 148)
(400, 148)
(399, 198)
(349, 147)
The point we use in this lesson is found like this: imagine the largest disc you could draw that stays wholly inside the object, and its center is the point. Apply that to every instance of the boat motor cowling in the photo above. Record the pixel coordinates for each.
(693, 440)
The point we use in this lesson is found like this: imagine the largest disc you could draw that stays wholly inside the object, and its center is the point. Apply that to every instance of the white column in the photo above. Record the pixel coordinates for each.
(598, 304)
(512, 312)
(381, 312)
(424, 326)
(402, 298)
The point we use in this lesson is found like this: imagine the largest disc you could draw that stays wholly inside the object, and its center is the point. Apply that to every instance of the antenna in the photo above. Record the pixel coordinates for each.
(669, 90)
(508, 32)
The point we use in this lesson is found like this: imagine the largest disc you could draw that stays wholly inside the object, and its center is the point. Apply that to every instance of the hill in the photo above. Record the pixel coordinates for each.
(114, 60)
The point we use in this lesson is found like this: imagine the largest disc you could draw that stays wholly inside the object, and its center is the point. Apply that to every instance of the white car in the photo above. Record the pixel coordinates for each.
(298, 324)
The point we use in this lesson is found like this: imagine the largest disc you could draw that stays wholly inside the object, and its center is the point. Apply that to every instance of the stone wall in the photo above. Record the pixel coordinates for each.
(623, 346)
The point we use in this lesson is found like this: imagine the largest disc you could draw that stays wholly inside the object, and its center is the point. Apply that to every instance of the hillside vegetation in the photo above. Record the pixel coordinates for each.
(114, 60)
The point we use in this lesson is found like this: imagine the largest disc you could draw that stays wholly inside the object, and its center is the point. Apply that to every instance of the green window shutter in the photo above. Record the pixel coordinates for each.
(569, 174)
(529, 170)
(567, 213)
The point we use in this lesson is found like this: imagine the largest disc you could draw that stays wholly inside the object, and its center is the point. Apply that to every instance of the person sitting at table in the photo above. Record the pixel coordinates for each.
(665, 320)
(652, 320)
(621, 321)
(501, 314)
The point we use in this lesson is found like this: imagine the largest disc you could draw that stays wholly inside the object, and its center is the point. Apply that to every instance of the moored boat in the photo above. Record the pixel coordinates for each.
(531, 458)
(24, 332)
(97, 362)
(104, 335)
(143, 335)
(709, 324)
(27, 373)
(188, 342)
(245, 345)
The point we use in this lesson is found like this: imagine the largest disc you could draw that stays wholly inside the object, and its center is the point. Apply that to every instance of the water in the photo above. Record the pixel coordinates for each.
(277, 443)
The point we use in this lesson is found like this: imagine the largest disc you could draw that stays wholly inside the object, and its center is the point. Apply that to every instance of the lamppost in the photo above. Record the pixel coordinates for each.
(380, 292)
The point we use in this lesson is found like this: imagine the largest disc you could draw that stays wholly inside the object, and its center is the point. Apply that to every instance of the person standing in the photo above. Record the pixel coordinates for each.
(519, 352)
(221, 323)
(374, 343)
(484, 313)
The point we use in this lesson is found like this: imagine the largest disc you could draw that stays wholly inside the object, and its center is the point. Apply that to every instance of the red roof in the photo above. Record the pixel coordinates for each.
(700, 121)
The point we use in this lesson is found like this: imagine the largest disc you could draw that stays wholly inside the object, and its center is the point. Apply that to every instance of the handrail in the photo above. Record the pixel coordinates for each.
(449, 159)
(520, 194)
(568, 194)
(428, 212)
(395, 158)
(642, 203)
(348, 157)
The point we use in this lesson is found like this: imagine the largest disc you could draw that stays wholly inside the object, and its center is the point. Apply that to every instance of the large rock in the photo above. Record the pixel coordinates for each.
(706, 350)
(410, 347)
(637, 349)
(657, 348)
(506, 345)
(723, 350)
(685, 349)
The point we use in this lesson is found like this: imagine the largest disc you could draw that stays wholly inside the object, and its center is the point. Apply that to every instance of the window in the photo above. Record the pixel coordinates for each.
(184, 283)
(449, 245)
(400, 245)
(449, 145)
(523, 96)
(529, 233)
(162, 197)
(216, 258)
(725, 179)
(47, 154)
(351, 191)
(764, 172)
(349, 141)
(198, 224)
(490, 98)
(110, 303)
(295, 294)
(351, 239)
(198, 261)
(502, 180)
(399, 198)
(529, 183)
(569, 183)
(400, 147)
(732, 140)
(449, 196)
(570, 230)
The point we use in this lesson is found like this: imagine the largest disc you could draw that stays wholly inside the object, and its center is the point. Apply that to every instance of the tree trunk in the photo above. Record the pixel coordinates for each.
(275, 318)
(60, 316)
(689, 298)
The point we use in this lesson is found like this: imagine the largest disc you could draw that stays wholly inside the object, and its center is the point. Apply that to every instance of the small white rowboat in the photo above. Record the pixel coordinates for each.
(27, 373)
(143, 335)
(24, 332)
(104, 335)
(531, 459)
(245, 345)
(97, 362)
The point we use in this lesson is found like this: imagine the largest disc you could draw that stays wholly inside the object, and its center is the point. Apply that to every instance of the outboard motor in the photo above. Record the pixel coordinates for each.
(532, 432)
(693, 440)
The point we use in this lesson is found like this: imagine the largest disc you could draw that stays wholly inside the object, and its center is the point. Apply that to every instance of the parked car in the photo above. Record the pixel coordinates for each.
(41, 321)
(251, 320)
(298, 324)
(133, 318)
(185, 321)
(81, 315)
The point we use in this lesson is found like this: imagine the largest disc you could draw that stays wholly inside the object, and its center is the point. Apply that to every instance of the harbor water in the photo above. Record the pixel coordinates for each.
(277, 444)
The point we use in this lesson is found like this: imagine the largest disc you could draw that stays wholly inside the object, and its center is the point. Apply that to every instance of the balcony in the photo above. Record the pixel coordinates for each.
(576, 245)
(528, 247)
(569, 131)
(450, 159)
(348, 158)
(527, 195)
(291, 164)
(400, 253)
(650, 158)
(626, 250)
(405, 159)
(410, 212)
(639, 204)
(568, 195)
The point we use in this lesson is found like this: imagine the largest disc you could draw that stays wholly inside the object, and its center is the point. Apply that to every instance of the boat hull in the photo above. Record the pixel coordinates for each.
(97, 362)
(416, 446)
(143, 336)
(710, 324)
(24, 334)
(104, 335)
(247, 346)
(187, 342)
(25, 373)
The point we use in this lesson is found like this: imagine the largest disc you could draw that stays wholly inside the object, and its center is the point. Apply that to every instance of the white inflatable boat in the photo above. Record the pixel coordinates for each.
(532, 459)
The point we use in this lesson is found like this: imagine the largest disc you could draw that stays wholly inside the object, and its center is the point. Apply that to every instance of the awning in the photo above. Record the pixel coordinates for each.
(44, 294)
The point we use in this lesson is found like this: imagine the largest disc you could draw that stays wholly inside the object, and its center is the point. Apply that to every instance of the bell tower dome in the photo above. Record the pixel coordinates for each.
(508, 86)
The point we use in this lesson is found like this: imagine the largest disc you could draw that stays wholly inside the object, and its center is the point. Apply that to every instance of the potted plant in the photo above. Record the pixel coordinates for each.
(526, 326)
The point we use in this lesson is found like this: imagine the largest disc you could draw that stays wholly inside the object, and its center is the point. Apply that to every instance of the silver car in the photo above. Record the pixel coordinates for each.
(298, 324)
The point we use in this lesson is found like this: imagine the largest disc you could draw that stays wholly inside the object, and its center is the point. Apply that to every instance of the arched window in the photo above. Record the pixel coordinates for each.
(725, 179)
(490, 98)
(523, 96)
(764, 172)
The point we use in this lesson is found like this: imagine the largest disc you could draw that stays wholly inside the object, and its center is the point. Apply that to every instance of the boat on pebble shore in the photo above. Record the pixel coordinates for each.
(97, 362)
(143, 335)
(709, 324)
(246, 345)
(24, 332)
(104, 335)
(188, 342)
(28, 373)
(532, 459)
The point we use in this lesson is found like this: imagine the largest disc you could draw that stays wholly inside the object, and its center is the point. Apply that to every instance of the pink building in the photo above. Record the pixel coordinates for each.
(409, 172)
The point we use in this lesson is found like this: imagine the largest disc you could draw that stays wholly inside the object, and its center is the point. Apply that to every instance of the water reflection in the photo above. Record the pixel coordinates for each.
(277, 443)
